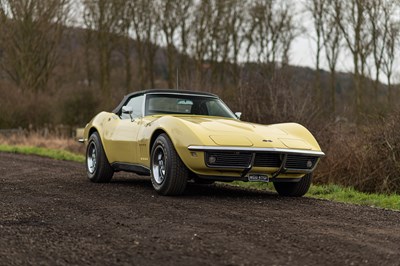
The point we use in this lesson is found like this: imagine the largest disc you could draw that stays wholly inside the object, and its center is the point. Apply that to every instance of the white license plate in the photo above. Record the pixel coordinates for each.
(258, 178)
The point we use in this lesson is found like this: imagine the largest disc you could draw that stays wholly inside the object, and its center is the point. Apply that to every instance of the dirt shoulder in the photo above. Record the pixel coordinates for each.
(50, 214)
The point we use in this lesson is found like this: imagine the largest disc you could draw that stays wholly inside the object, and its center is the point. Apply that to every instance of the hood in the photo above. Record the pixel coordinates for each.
(233, 132)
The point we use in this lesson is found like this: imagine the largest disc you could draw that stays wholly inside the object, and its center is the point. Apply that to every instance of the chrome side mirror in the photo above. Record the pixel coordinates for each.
(238, 114)
(128, 110)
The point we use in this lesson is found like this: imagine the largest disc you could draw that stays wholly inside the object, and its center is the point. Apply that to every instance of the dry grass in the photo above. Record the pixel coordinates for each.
(37, 139)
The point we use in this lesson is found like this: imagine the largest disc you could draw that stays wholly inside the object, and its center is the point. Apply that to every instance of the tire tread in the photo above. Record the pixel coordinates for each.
(104, 171)
(176, 183)
(297, 189)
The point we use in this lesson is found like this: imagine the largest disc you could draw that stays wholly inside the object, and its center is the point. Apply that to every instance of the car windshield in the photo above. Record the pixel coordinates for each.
(186, 104)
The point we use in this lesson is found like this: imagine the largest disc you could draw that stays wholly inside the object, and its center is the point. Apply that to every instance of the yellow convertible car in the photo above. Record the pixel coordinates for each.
(180, 136)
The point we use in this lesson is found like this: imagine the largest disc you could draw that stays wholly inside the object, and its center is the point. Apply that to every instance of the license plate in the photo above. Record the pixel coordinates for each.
(258, 178)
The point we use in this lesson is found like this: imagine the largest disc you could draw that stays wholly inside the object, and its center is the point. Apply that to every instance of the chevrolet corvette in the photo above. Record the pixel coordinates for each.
(180, 136)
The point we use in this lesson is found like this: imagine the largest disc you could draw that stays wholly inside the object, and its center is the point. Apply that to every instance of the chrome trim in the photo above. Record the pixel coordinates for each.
(183, 94)
(250, 166)
(250, 149)
(282, 168)
(81, 140)
(239, 178)
(144, 105)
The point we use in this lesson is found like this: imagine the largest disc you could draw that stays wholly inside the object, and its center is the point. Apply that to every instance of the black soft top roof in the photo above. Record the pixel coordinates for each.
(158, 91)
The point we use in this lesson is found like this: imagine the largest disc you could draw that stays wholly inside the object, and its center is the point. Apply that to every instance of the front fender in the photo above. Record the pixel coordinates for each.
(96, 124)
(299, 131)
(181, 134)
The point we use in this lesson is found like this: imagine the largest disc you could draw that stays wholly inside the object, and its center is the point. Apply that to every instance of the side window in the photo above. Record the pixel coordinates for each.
(137, 105)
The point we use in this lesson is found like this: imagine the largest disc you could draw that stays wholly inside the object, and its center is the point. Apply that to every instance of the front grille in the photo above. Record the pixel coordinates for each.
(300, 162)
(236, 159)
(230, 159)
(267, 160)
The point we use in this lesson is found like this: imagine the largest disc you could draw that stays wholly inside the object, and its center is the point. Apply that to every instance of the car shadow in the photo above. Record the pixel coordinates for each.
(217, 190)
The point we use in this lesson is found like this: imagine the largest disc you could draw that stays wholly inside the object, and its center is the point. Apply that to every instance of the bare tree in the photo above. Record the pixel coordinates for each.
(379, 13)
(173, 18)
(201, 34)
(289, 32)
(144, 26)
(351, 18)
(317, 9)
(102, 17)
(332, 37)
(389, 55)
(228, 36)
(236, 29)
(30, 38)
(125, 25)
(185, 13)
(270, 31)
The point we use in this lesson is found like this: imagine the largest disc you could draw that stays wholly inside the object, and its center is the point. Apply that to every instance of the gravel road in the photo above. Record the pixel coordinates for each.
(50, 214)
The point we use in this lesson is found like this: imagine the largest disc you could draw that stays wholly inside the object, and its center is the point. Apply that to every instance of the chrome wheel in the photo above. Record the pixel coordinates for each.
(159, 165)
(91, 158)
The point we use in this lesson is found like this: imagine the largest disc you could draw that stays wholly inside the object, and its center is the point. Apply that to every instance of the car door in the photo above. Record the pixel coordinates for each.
(121, 132)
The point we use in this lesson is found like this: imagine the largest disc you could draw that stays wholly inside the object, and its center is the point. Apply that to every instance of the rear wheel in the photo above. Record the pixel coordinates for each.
(168, 172)
(294, 189)
(98, 168)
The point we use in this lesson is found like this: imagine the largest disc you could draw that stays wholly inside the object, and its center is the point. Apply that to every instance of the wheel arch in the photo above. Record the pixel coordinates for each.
(92, 130)
(155, 135)
(160, 131)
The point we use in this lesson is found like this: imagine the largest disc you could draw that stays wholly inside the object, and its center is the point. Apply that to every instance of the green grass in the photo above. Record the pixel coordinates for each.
(350, 195)
(328, 192)
(51, 153)
(339, 194)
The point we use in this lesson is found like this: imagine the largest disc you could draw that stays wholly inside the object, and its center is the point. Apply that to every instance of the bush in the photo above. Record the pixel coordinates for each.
(363, 157)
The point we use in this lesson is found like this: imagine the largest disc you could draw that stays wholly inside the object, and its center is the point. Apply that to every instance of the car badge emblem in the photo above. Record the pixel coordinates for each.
(267, 140)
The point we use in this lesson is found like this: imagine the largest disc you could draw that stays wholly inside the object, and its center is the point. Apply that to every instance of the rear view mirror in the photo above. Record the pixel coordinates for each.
(127, 110)
(238, 114)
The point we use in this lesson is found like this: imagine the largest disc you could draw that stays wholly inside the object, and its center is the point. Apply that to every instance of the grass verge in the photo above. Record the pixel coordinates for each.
(51, 153)
(329, 192)
(339, 194)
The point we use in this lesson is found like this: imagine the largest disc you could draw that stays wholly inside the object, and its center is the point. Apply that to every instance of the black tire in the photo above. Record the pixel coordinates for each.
(294, 189)
(168, 173)
(98, 168)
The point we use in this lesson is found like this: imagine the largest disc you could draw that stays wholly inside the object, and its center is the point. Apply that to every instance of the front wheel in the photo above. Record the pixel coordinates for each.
(294, 189)
(168, 172)
(98, 168)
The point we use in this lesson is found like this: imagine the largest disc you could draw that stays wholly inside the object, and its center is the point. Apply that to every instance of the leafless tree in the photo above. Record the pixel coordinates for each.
(236, 29)
(31, 34)
(379, 14)
(125, 42)
(201, 25)
(318, 11)
(332, 37)
(102, 17)
(173, 18)
(145, 31)
(389, 55)
(270, 31)
(351, 18)
(228, 36)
